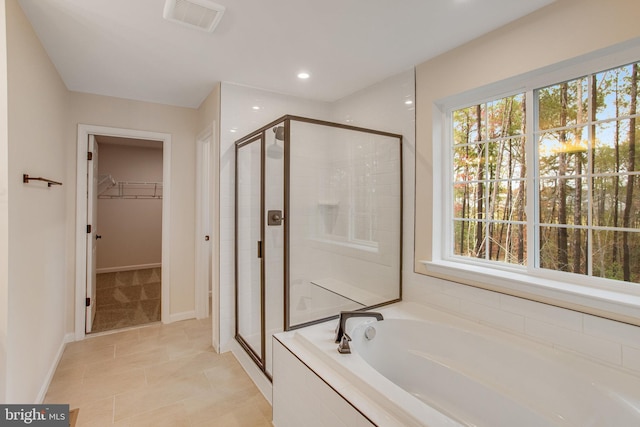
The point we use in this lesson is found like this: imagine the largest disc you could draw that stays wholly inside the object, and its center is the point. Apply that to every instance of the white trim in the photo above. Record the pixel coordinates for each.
(215, 237)
(185, 315)
(70, 337)
(128, 268)
(441, 169)
(81, 214)
(125, 329)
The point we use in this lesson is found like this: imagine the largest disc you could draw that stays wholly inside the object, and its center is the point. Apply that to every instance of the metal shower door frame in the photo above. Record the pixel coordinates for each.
(259, 359)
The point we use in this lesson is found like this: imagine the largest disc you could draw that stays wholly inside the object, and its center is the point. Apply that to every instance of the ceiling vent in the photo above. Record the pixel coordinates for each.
(201, 14)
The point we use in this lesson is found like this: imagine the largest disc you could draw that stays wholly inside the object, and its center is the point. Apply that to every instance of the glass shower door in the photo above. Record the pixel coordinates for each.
(249, 248)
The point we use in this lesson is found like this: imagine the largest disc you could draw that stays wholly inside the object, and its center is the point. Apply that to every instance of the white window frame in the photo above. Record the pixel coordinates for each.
(571, 290)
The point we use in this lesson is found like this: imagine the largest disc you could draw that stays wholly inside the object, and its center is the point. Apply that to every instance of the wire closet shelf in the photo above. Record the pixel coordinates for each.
(109, 188)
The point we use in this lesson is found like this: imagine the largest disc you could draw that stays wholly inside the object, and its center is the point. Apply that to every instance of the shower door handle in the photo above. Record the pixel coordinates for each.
(259, 249)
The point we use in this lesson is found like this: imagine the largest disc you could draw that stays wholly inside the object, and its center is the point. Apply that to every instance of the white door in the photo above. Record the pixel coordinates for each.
(92, 228)
(203, 228)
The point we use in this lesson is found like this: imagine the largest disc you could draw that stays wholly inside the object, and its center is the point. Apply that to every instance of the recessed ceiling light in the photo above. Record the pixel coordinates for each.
(304, 75)
(233, 130)
(255, 107)
(408, 102)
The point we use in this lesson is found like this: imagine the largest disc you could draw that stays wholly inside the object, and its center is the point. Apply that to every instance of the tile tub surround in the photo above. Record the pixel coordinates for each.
(158, 375)
(602, 340)
(127, 298)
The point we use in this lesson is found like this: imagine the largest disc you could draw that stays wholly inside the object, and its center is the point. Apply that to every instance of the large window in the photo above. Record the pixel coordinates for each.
(582, 174)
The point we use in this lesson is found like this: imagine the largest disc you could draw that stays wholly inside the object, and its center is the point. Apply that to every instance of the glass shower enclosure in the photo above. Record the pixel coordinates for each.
(318, 226)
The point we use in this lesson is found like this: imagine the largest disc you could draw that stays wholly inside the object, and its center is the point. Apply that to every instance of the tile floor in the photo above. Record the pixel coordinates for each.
(158, 375)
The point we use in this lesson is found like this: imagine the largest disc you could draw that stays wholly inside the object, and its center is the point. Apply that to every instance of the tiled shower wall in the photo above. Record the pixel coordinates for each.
(327, 164)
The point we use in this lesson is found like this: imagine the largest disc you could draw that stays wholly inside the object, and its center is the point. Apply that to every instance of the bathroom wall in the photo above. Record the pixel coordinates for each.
(131, 229)
(541, 39)
(33, 294)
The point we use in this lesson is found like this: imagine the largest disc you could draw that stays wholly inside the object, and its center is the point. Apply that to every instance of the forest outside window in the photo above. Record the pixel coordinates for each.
(489, 182)
(582, 175)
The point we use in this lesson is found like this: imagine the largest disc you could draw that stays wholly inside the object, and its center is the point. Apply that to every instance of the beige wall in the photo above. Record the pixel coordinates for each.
(180, 122)
(559, 32)
(38, 216)
(209, 110)
(131, 229)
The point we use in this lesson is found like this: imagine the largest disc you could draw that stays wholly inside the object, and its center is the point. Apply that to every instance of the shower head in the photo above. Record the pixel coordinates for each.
(279, 131)
(275, 151)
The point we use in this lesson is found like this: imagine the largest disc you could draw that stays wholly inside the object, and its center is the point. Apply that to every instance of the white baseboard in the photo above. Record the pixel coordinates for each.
(185, 315)
(52, 369)
(256, 375)
(128, 268)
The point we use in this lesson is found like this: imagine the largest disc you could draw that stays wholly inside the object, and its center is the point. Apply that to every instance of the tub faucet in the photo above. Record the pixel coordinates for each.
(346, 315)
(343, 347)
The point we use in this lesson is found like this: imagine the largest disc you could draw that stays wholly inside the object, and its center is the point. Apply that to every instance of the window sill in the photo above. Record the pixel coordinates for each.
(599, 301)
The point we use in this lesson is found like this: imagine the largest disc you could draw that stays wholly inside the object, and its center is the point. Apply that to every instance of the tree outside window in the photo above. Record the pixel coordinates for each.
(585, 175)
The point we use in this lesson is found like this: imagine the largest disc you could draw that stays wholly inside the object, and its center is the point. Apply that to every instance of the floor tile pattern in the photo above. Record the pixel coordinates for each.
(157, 375)
(127, 298)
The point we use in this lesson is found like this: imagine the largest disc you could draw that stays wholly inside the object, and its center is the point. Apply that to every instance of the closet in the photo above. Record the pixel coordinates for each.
(129, 233)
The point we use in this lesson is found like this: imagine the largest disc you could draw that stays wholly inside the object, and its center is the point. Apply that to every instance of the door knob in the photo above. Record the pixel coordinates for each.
(98, 236)
(206, 238)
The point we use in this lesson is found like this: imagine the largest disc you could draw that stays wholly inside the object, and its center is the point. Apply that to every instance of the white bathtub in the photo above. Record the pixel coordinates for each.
(426, 368)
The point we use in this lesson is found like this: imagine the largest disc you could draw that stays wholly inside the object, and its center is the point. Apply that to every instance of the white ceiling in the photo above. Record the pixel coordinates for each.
(124, 48)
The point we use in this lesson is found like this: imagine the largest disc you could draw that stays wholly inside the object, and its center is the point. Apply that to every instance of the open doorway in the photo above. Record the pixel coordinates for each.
(128, 233)
(127, 187)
